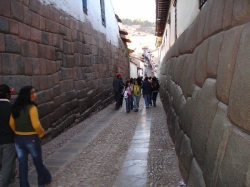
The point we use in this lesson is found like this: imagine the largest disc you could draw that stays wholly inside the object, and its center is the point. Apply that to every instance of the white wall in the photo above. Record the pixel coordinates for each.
(133, 70)
(74, 8)
(187, 11)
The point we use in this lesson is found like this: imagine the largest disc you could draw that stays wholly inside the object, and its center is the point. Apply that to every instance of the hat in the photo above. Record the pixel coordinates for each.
(119, 75)
(4, 89)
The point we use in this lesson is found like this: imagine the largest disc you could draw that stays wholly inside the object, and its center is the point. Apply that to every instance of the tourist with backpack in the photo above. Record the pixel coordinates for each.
(155, 89)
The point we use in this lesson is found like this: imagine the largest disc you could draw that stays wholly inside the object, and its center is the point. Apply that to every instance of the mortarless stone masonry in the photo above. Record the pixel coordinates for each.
(70, 64)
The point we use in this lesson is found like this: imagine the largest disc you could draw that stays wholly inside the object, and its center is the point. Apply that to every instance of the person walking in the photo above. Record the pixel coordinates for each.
(127, 95)
(136, 95)
(155, 90)
(118, 87)
(146, 91)
(7, 146)
(24, 121)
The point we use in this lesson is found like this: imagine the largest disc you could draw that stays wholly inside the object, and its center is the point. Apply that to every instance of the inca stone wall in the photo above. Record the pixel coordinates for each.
(205, 86)
(70, 64)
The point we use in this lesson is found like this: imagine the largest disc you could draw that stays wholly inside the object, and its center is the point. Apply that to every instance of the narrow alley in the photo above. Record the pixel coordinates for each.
(113, 148)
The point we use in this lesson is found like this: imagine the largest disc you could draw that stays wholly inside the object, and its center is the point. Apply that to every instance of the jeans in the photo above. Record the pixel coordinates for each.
(147, 100)
(154, 96)
(136, 101)
(8, 160)
(118, 96)
(26, 144)
(128, 103)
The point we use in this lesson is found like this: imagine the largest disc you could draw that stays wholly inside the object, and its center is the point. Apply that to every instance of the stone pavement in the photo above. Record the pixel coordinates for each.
(113, 148)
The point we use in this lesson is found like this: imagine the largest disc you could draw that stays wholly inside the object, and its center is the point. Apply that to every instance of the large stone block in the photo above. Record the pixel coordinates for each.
(241, 12)
(228, 14)
(235, 167)
(177, 99)
(5, 8)
(12, 43)
(23, 31)
(16, 81)
(217, 11)
(214, 50)
(182, 38)
(187, 114)
(239, 109)
(35, 35)
(201, 63)
(227, 59)
(209, 5)
(190, 74)
(17, 10)
(33, 49)
(178, 137)
(4, 25)
(13, 27)
(2, 42)
(195, 176)
(205, 110)
(191, 36)
(27, 16)
(200, 30)
(217, 141)
(186, 156)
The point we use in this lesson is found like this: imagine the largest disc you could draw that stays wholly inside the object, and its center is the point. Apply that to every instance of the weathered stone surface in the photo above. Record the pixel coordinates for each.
(189, 82)
(178, 137)
(186, 116)
(16, 10)
(2, 41)
(5, 8)
(12, 43)
(205, 110)
(186, 155)
(200, 30)
(195, 176)
(241, 12)
(234, 169)
(182, 49)
(214, 50)
(191, 36)
(217, 11)
(209, 5)
(217, 141)
(4, 25)
(200, 65)
(226, 66)
(177, 98)
(228, 14)
(239, 108)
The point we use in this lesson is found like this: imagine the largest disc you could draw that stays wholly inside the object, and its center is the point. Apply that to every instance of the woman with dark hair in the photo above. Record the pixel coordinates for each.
(127, 95)
(24, 121)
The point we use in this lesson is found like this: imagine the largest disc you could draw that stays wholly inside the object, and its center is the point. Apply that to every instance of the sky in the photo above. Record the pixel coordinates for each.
(133, 9)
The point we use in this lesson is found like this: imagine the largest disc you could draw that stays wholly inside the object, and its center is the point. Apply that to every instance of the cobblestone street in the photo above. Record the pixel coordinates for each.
(113, 149)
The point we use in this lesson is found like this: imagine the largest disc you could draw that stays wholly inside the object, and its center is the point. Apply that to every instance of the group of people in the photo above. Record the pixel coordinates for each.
(132, 91)
(20, 133)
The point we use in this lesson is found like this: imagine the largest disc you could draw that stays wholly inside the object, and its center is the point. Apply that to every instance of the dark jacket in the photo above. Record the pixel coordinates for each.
(117, 85)
(155, 86)
(146, 87)
(6, 133)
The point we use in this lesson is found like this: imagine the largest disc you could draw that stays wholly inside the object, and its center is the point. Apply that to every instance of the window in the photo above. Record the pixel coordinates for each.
(103, 13)
(202, 2)
(84, 6)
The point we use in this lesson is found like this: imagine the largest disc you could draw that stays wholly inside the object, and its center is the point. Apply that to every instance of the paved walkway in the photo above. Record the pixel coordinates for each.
(108, 149)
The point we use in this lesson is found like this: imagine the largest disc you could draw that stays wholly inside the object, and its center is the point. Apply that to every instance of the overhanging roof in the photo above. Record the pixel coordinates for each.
(162, 7)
